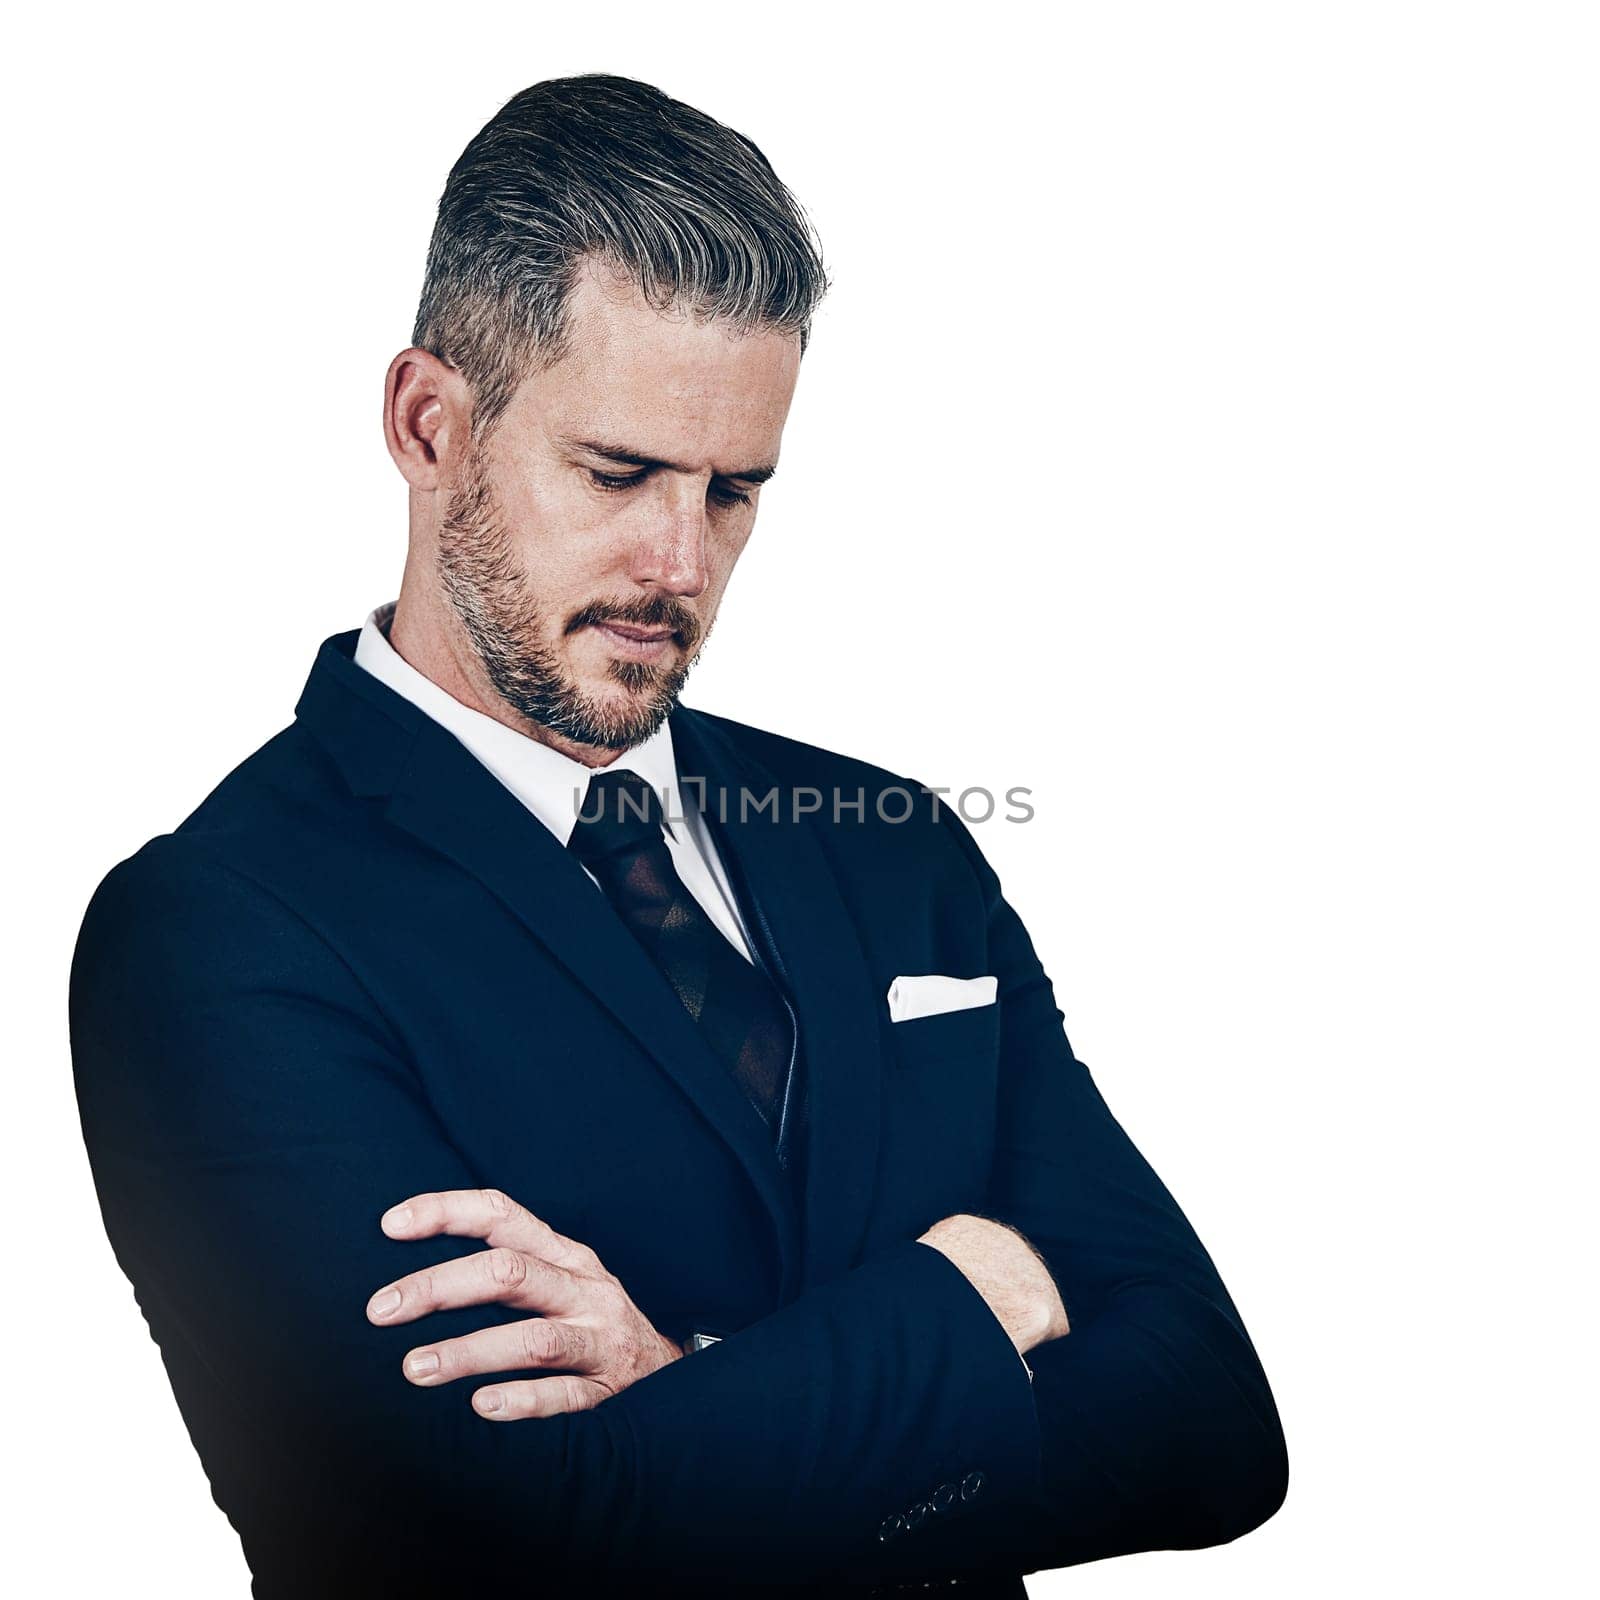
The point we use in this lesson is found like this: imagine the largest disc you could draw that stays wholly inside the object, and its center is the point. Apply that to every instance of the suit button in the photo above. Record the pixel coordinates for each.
(891, 1526)
(943, 1497)
(971, 1484)
(915, 1515)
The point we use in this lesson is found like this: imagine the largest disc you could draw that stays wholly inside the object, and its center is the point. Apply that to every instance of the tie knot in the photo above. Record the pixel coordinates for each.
(620, 812)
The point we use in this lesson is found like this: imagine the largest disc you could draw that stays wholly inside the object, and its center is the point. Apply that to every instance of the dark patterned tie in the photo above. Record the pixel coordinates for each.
(743, 1017)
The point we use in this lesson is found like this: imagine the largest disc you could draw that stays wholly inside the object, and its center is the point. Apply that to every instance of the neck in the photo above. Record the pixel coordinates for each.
(428, 636)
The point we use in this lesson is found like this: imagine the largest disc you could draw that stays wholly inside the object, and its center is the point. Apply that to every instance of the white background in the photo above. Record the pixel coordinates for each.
(1201, 431)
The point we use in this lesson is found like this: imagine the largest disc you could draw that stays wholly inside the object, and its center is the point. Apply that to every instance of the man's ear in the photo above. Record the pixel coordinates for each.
(427, 416)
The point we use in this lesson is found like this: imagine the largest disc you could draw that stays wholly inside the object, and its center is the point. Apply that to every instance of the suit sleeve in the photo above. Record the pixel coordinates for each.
(249, 1115)
(1157, 1427)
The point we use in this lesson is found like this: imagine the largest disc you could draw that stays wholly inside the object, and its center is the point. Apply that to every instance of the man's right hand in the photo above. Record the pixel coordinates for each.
(1005, 1269)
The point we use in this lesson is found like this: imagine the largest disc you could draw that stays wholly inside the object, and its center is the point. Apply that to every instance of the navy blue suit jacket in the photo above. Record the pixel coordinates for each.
(362, 970)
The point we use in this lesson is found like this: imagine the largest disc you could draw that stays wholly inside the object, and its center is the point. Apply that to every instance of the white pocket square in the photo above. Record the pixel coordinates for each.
(931, 995)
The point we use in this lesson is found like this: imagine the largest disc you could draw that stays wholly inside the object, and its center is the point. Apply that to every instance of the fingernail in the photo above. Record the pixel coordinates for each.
(489, 1401)
(422, 1365)
(384, 1304)
(397, 1217)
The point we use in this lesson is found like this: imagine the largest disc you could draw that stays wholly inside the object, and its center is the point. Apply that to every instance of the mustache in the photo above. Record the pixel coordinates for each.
(654, 611)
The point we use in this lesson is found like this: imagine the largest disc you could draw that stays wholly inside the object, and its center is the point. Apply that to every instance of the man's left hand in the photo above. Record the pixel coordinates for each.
(587, 1327)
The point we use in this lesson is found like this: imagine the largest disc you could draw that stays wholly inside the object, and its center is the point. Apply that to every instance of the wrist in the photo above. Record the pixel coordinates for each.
(1011, 1275)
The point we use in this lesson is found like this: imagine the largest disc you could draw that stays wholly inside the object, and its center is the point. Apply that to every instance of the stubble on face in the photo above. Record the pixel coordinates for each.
(515, 639)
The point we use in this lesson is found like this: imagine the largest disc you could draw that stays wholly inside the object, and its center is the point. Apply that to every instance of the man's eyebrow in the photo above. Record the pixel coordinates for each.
(632, 458)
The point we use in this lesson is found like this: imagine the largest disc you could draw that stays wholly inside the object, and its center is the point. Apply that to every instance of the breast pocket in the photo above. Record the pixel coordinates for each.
(972, 1034)
(936, 1142)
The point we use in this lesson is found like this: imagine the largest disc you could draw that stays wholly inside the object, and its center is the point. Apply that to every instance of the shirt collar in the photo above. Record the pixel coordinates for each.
(551, 785)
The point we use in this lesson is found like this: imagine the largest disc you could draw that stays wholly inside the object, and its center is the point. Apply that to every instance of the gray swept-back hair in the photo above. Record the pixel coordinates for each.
(609, 168)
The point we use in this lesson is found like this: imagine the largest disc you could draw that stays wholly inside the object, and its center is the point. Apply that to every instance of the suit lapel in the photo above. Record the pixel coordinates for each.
(792, 894)
(441, 794)
(437, 791)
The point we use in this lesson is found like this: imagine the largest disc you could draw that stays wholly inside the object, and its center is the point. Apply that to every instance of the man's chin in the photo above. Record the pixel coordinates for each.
(628, 709)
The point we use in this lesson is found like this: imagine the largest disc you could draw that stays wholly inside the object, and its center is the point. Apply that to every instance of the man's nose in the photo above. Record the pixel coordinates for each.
(671, 553)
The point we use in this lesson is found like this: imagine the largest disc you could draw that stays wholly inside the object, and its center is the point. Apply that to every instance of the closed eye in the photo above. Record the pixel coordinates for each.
(719, 492)
(613, 481)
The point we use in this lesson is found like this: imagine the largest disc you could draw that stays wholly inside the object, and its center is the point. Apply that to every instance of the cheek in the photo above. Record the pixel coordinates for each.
(726, 543)
(721, 554)
(736, 533)
(562, 538)
(538, 510)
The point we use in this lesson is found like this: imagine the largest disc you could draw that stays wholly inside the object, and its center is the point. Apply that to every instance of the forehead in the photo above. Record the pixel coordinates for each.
(662, 384)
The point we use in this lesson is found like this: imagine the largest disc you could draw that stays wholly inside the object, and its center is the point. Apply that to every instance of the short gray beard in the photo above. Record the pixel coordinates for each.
(488, 591)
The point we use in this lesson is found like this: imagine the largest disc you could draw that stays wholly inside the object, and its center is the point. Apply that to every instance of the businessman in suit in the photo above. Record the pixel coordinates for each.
(564, 1140)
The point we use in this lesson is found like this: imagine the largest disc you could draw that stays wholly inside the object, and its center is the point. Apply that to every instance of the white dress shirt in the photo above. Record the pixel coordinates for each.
(553, 786)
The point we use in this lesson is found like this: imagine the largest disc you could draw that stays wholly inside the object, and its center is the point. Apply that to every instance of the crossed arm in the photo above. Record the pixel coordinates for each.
(586, 1330)
(248, 1116)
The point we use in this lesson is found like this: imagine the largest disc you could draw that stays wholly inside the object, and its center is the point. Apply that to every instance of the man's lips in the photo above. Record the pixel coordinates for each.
(633, 643)
(629, 630)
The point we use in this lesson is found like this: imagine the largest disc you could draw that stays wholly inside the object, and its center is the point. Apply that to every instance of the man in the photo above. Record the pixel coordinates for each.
(563, 1139)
